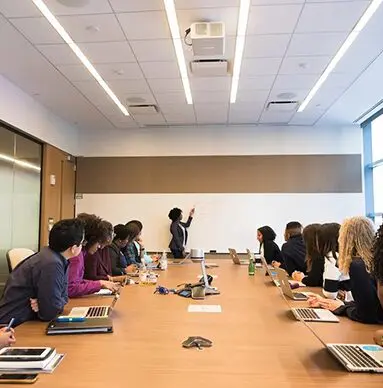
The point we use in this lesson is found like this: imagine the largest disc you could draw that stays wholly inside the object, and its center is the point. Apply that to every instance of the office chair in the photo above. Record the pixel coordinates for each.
(16, 255)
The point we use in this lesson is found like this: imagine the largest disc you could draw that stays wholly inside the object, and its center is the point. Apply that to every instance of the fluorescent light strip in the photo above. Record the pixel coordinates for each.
(177, 42)
(342, 51)
(19, 162)
(80, 55)
(243, 18)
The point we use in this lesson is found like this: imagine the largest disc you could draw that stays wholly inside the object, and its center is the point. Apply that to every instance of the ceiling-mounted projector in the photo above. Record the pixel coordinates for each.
(208, 38)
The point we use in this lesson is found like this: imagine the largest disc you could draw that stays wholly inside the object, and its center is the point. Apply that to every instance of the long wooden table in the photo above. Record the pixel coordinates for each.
(256, 341)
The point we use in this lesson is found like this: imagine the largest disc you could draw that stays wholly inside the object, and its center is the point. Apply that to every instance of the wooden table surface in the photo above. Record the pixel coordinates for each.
(256, 341)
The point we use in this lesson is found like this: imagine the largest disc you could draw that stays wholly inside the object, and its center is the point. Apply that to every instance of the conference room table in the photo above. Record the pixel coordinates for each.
(256, 340)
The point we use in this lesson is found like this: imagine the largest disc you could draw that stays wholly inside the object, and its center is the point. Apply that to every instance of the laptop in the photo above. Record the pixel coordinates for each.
(236, 259)
(209, 290)
(354, 357)
(285, 286)
(270, 270)
(314, 315)
(256, 258)
(101, 325)
(93, 312)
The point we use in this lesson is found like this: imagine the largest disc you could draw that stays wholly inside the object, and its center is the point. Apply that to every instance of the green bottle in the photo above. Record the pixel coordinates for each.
(251, 267)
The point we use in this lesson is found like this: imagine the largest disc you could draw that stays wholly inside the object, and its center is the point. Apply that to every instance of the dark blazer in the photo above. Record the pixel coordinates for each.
(177, 241)
(98, 266)
(314, 277)
(117, 260)
(271, 252)
(294, 255)
(43, 276)
(366, 307)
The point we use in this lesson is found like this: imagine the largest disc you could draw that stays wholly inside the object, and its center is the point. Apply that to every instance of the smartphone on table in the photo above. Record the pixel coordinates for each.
(18, 378)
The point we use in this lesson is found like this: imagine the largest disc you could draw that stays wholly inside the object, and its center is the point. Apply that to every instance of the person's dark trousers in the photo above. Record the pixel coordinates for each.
(177, 253)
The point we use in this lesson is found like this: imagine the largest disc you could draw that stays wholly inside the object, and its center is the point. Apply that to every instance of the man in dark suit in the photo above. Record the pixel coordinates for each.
(38, 287)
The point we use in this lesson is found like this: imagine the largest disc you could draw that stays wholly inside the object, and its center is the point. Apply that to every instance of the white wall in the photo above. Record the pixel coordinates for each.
(221, 140)
(23, 112)
(222, 220)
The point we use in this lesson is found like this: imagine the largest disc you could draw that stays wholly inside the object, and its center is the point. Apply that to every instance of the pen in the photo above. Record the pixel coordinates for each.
(10, 324)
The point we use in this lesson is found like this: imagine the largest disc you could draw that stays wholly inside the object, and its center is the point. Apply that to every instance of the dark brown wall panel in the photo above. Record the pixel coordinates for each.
(221, 174)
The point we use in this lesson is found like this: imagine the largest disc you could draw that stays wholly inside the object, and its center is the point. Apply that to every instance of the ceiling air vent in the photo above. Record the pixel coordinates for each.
(282, 106)
(143, 109)
(209, 68)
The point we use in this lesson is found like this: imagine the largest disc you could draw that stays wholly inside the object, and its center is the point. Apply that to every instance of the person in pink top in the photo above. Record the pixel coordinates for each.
(97, 232)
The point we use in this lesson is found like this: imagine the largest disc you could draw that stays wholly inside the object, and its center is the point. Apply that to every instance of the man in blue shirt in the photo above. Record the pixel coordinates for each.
(38, 287)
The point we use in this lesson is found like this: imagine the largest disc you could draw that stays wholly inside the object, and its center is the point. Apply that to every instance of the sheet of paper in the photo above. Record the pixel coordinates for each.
(204, 308)
(103, 292)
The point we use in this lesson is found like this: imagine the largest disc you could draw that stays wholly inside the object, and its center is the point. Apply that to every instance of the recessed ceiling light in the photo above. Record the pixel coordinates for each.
(372, 8)
(243, 18)
(93, 28)
(171, 14)
(80, 55)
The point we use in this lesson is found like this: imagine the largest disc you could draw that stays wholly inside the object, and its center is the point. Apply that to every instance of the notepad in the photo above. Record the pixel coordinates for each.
(204, 308)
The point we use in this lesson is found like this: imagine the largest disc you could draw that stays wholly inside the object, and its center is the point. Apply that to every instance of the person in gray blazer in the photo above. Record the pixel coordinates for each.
(179, 232)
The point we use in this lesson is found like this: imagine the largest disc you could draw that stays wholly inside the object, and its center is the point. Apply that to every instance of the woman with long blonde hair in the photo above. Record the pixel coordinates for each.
(356, 238)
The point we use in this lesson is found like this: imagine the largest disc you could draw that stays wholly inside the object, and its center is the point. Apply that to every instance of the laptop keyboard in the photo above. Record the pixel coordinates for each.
(97, 311)
(357, 357)
(307, 314)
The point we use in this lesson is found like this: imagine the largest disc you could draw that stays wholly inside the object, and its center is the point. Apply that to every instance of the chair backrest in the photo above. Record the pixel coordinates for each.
(15, 255)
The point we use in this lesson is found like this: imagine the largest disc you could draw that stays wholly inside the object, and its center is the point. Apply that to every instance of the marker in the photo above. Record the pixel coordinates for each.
(10, 324)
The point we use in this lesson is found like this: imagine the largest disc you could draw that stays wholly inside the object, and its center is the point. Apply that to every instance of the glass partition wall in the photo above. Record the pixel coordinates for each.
(20, 186)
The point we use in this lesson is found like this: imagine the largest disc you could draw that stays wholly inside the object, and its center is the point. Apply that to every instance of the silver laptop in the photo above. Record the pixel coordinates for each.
(270, 270)
(256, 258)
(285, 286)
(314, 315)
(236, 259)
(93, 312)
(354, 357)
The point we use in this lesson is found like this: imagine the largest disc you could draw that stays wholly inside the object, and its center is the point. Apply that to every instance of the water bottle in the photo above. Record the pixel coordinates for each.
(251, 267)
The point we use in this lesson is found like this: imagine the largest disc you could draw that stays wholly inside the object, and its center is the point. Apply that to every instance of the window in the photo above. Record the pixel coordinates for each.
(373, 157)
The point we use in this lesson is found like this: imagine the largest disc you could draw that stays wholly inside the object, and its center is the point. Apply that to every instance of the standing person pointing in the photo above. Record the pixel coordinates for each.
(179, 232)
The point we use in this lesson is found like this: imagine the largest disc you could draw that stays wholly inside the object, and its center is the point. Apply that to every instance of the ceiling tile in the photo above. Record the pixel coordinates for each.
(260, 66)
(187, 4)
(273, 19)
(271, 2)
(308, 117)
(121, 121)
(275, 117)
(228, 54)
(173, 109)
(160, 69)
(150, 120)
(287, 82)
(37, 30)
(210, 83)
(58, 54)
(129, 86)
(331, 17)
(227, 15)
(180, 118)
(137, 98)
(245, 96)
(175, 97)
(243, 113)
(288, 94)
(18, 9)
(145, 25)
(264, 82)
(211, 97)
(266, 45)
(111, 71)
(88, 8)
(211, 113)
(108, 52)
(153, 50)
(304, 65)
(325, 43)
(165, 85)
(136, 6)
(92, 28)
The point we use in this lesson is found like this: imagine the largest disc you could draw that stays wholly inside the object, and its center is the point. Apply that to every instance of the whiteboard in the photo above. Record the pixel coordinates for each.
(221, 220)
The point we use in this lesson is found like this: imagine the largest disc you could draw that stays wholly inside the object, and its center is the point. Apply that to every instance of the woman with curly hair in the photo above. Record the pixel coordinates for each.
(356, 238)
(97, 234)
(377, 269)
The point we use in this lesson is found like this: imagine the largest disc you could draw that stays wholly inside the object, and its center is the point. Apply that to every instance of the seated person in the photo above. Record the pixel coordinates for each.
(118, 260)
(133, 254)
(378, 273)
(356, 239)
(38, 287)
(293, 250)
(314, 260)
(7, 338)
(139, 253)
(97, 233)
(334, 281)
(268, 247)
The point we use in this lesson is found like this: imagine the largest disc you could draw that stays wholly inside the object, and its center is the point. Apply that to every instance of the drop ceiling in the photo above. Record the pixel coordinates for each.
(288, 45)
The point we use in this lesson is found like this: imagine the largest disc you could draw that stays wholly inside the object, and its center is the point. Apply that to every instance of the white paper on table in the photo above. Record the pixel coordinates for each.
(204, 308)
(103, 292)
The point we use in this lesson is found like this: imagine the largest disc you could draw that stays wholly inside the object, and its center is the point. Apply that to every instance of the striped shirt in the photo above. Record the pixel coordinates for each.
(334, 280)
